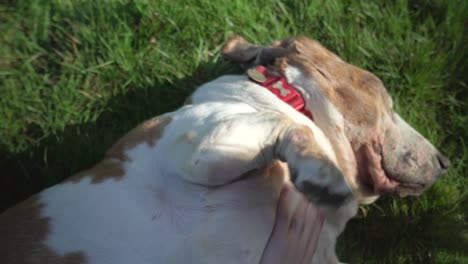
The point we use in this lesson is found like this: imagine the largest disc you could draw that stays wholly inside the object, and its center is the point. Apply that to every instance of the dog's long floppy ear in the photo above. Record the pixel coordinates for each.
(247, 54)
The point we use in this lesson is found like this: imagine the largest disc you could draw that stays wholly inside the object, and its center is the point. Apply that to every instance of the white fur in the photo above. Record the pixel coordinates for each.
(153, 215)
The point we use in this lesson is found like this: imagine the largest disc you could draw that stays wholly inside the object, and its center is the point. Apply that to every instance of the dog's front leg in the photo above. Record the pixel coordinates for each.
(220, 151)
(313, 172)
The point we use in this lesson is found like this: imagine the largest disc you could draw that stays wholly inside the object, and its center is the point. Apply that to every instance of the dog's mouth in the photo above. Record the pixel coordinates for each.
(378, 180)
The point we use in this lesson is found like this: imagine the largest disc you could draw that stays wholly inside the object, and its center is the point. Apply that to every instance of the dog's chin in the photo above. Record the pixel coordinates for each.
(379, 184)
(376, 179)
(383, 182)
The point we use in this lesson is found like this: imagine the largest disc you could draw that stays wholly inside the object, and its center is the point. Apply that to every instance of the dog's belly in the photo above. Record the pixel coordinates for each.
(170, 221)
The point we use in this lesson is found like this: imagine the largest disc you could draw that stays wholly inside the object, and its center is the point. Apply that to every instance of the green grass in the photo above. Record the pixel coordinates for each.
(75, 75)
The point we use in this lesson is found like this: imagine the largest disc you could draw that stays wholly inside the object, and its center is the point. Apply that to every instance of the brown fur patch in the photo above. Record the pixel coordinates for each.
(22, 234)
(303, 139)
(107, 168)
(278, 168)
(357, 94)
(148, 132)
(111, 167)
(239, 50)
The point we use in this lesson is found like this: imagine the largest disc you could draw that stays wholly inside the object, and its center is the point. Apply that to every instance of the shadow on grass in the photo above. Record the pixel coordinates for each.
(430, 237)
(79, 147)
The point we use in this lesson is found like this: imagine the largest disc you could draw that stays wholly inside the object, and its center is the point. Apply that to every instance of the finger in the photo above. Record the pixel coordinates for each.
(282, 212)
(315, 237)
(296, 225)
(296, 229)
(311, 221)
(275, 248)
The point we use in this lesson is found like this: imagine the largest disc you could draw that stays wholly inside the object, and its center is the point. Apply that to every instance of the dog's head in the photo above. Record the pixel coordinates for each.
(376, 149)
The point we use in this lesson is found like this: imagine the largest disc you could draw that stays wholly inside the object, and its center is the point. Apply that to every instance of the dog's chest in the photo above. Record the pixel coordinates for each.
(168, 221)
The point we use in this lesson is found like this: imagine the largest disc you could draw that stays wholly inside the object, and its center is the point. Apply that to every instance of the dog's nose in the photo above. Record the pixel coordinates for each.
(444, 163)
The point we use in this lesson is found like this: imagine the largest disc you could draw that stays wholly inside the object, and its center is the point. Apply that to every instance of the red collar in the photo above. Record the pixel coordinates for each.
(279, 86)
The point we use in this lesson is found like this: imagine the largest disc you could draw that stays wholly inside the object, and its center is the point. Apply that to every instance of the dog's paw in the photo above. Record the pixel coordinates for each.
(321, 182)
